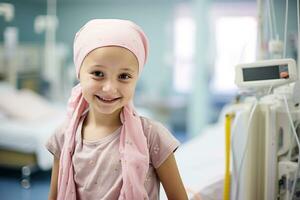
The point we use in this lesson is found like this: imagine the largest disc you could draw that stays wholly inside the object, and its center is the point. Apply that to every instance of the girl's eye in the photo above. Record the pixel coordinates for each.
(124, 76)
(98, 73)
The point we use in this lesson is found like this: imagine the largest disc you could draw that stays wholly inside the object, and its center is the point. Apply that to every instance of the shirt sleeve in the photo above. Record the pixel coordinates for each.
(56, 141)
(161, 142)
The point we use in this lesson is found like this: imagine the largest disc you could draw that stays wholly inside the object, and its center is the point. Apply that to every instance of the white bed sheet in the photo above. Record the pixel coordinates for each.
(30, 136)
(27, 120)
(201, 162)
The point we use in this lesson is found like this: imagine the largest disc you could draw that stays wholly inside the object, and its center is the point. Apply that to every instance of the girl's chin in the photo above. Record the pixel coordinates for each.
(108, 110)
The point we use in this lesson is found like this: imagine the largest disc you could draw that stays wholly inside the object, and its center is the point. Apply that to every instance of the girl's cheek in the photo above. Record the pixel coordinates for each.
(130, 92)
(88, 90)
(92, 84)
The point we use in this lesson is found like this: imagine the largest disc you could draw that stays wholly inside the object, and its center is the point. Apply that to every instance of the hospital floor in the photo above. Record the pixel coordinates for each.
(10, 187)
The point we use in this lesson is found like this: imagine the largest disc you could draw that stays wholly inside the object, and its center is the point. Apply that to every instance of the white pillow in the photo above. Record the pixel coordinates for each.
(25, 105)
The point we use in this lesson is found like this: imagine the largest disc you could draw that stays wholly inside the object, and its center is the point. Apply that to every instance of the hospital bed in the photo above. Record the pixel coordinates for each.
(26, 122)
(201, 163)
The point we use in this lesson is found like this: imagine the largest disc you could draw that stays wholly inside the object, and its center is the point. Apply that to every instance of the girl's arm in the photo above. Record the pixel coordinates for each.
(54, 178)
(170, 178)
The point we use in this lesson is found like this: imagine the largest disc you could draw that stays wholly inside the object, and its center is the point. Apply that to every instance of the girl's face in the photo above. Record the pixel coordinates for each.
(108, 77)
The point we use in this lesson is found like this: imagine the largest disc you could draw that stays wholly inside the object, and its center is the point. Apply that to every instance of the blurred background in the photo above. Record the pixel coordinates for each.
(189, 77)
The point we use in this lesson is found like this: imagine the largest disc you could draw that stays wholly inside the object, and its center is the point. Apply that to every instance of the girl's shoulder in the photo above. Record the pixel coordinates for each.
(150, 125)
(55, 143)
(59, 133)
(161, 142)
(153, 129)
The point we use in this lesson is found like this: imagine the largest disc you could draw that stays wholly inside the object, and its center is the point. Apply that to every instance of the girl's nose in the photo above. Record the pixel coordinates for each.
(108, 86)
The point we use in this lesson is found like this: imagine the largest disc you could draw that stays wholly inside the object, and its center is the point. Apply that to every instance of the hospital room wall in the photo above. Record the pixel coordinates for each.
(24, 15)
(199, 109)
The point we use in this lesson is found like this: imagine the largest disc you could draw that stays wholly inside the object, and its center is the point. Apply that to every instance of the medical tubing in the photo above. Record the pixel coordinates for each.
(298, 143)
(274, 18)
(245, 149)
(270, 90)
(270, 20)
(290, 151)
(228, 119)
(285, 26)
(234, 163)
(298, 28)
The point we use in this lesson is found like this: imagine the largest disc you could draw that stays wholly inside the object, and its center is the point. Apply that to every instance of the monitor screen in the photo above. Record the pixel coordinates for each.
(265, 73)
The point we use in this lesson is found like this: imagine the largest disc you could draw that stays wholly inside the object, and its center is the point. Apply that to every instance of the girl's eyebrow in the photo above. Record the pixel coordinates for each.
(127, 69)
(96, 65)
(123, 69)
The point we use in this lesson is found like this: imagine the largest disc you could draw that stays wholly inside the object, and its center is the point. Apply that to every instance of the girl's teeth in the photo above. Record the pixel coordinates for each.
(106, 99)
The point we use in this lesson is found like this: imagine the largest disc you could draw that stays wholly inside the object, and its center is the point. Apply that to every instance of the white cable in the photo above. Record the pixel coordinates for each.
(285, 26)
(270, 19)
(298, 143)
(270, 90)
(292, 143)
(234, 158)
(274, 18)
(245, 149)
(298, 25)
(233, 135)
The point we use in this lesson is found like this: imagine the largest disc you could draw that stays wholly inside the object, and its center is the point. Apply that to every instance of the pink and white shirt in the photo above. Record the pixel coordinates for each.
(97, 164)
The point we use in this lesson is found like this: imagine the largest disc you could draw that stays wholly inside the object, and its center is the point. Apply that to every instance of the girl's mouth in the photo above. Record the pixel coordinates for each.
(107, 100)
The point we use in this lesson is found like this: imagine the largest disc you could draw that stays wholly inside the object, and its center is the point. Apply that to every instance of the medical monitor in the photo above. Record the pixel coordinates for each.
(265, 73)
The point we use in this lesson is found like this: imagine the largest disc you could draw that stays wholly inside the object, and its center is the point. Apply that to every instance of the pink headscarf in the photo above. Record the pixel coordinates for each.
(133, 145)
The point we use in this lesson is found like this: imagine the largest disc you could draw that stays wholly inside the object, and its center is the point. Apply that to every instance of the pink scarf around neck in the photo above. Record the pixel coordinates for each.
(133, 144)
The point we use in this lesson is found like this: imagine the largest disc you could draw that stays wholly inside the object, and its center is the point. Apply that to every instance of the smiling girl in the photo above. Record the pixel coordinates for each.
(105, 150)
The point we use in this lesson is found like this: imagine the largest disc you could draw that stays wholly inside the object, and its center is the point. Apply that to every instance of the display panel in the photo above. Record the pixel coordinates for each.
(265, 73)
